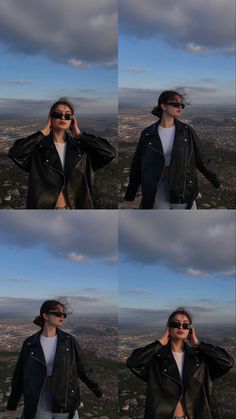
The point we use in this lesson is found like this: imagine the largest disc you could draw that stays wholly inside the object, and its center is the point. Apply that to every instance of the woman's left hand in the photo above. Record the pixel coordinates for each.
(75, 129)
(193, 338)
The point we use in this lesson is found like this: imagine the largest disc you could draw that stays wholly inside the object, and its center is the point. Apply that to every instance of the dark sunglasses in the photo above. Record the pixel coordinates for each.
(59, 115)
(177, 325)
(176, 104)
(58, 314)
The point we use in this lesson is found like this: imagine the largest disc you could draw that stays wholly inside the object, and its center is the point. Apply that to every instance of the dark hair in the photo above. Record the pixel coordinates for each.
(165, 97)
(47, 306)
(62, 101)
(180, 310)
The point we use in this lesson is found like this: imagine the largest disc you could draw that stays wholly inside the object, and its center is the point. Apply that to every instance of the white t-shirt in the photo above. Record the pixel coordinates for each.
(49, 346)
(167, 136)
(61, 149)
(179, 359)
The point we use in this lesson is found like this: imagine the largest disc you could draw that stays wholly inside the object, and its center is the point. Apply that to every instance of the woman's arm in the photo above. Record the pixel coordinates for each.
(85, 372)
(218, 360)
(17, 383)
(100, 150)
(138, 361)
(203, 162)
(21, 150)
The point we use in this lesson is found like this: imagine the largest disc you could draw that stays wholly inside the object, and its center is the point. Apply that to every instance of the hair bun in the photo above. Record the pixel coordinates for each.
(38, 321)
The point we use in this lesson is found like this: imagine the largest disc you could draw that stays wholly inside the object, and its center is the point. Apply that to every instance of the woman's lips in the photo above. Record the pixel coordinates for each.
(180, 332)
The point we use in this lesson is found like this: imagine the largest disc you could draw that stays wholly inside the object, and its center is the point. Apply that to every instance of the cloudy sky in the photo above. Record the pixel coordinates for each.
(173, 259)
(48, 255)
(55, 48)
(168, 44)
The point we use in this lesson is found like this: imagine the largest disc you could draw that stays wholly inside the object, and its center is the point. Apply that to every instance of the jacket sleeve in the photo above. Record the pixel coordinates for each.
(17, 383)
(21, 150)
(85, 372)
(100, 150)
(218, 360)
(203, 162)
(138, 361)
(135, 173)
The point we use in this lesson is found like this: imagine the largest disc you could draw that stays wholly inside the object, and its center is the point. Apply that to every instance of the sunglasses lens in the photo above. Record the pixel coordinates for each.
(176, 104)
(59, 115)
(68, 116)
(174, 325)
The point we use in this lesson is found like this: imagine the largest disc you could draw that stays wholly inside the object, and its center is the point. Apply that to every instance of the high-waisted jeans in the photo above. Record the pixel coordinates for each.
(44, 410)
(162, 200)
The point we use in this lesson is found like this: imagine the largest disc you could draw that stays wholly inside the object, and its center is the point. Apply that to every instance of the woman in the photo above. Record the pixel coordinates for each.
(60, 161)
(166, 160)
(178, 370)
(48, 370)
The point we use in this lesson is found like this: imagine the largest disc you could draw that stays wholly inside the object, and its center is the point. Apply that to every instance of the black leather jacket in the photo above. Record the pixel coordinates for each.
(31, 372)
(148, 165)
(155, 364)
(37, 155)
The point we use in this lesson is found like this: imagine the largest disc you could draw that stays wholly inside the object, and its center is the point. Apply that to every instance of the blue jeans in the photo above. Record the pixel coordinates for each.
(44, 410)
(162, 200)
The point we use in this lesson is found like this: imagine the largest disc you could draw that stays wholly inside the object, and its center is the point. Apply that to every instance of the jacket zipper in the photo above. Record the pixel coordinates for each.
(58, 171)
(178, 382)
(67, 384)
(152, 148)
(45, 380)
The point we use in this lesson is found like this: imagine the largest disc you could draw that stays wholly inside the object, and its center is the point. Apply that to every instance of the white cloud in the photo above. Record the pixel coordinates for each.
(202, 25)
(85, 31)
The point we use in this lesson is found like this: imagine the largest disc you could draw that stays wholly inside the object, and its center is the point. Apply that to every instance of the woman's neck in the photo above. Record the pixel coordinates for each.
(177, 345)
(59, 136)
(167, 121)
(49, 331)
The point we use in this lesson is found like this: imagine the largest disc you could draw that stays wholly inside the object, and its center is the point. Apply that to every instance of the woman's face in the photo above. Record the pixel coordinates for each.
(52, 319)
(180, 333)
(61, 123)
(172, 110)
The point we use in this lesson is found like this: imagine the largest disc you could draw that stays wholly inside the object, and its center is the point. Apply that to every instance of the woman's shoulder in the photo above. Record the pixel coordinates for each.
(150, 130)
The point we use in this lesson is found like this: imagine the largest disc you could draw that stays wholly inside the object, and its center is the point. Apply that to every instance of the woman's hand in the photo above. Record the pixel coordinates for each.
(75, 129)
(193, 338)
(166, 337)
(48, 127)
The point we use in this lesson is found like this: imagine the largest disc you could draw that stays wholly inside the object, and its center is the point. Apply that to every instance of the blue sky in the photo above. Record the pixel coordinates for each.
(176, 259)
(164, 45)
(54, 49)
(49, 256)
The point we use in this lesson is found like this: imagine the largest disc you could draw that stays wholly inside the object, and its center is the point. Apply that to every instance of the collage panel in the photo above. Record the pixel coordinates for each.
(176, 104)
(177, 315)
(58, 315)
(58, 104)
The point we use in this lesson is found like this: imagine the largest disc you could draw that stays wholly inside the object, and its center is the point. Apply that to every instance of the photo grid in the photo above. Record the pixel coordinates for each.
(110, 111)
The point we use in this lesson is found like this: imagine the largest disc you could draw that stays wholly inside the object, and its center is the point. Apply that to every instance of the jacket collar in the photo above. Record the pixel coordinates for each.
(48, 142)
(35, 339)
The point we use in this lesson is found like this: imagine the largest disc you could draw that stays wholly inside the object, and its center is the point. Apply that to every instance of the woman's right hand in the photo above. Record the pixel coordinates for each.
(48, 127)
(166, 337)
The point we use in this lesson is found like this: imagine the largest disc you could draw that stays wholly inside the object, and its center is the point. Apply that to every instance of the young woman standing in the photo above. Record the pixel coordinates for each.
(48, 370)
(61, 161)
(179, 370)
(166, 160)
